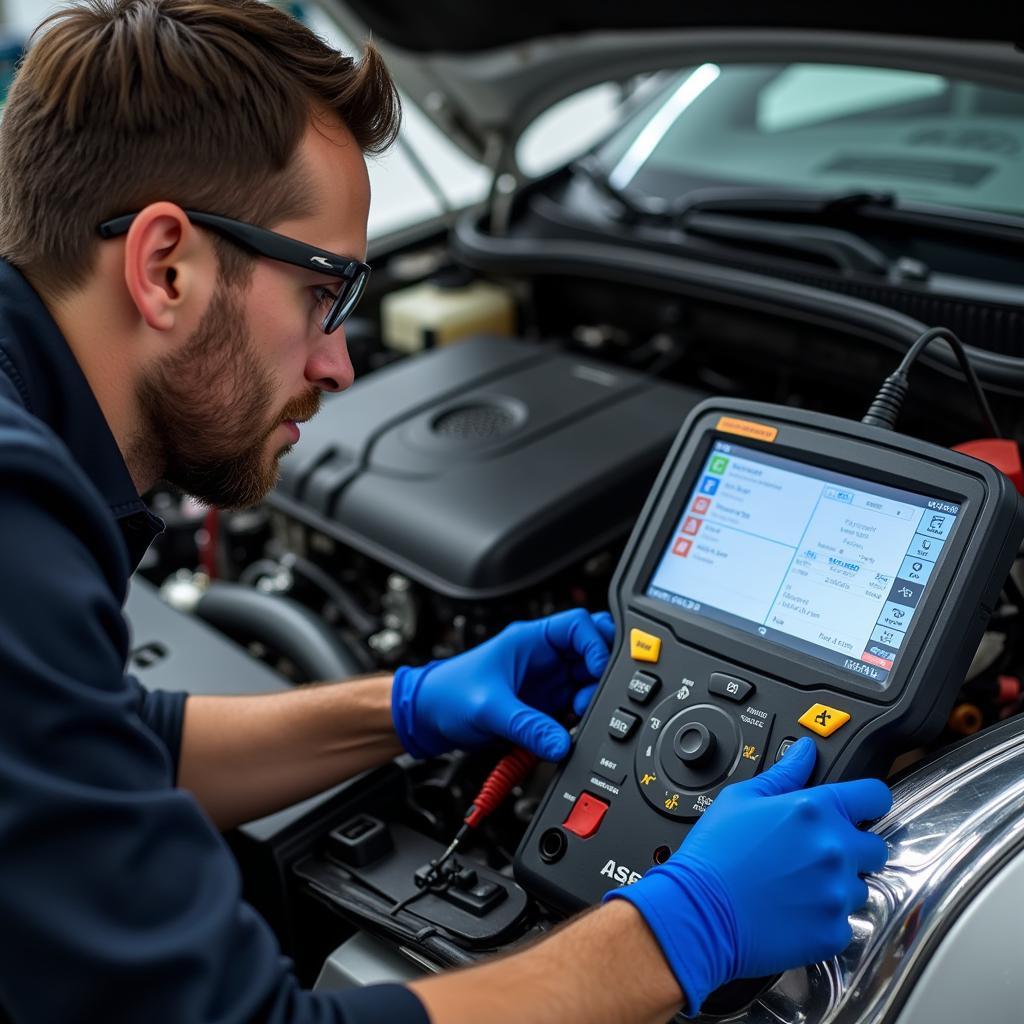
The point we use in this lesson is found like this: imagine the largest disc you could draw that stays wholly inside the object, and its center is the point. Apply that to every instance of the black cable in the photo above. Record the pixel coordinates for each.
(361, 621)
(402, 904)
(437, 881)
(354, 614)
(965, 364)
(885, 409)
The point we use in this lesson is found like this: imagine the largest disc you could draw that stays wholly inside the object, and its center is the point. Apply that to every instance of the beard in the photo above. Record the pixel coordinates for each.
(207, 412)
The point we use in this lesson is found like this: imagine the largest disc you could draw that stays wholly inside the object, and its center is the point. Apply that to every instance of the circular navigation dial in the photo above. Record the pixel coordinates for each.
(682, 753)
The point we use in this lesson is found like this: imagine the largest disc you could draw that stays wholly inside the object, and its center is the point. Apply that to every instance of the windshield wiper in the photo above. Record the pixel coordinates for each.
(761, 201)
(767, 201)
(764, 201)
(732, 199)
(841, 249)
(634, 207)
(712, 213)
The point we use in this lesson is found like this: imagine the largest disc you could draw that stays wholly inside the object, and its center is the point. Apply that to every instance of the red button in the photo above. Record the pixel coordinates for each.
(585, 816)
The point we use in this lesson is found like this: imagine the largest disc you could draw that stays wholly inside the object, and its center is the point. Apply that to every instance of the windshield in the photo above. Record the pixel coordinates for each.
(836, 128)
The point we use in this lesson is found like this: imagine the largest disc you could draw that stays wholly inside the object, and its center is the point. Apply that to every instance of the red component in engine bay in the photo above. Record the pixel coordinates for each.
(1002, 453)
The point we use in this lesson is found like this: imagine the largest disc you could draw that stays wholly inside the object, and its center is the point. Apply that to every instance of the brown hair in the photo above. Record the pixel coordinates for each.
(121, 103)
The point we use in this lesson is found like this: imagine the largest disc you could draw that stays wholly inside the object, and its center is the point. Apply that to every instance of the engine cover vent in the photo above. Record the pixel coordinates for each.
(478, 422)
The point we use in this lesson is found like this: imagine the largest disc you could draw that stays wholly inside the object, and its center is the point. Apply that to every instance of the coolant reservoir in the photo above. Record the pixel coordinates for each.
(448, 307)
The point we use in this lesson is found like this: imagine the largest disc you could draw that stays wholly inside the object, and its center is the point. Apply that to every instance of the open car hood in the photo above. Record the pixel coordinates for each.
(484, 71)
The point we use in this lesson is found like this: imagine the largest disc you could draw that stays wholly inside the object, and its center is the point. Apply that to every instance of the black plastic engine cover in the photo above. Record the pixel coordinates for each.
(483, 468)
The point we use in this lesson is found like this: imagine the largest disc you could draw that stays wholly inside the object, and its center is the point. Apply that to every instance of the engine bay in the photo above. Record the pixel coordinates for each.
(460, 486)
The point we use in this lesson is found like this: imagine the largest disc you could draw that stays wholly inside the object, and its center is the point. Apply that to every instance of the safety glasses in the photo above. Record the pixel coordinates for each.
(352, 273)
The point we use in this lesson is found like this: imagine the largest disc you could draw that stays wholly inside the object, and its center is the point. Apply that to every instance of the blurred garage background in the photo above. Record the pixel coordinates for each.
(424, 175)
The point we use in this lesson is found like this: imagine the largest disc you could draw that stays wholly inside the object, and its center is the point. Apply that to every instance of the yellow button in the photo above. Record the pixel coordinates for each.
(824, 720)
(643, 646)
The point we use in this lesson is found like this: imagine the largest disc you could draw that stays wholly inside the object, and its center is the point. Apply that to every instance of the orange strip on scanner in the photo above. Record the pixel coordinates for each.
(747, 428)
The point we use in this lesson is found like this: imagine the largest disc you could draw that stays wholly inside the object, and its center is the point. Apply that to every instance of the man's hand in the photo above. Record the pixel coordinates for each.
(507, 688)
(766, 880)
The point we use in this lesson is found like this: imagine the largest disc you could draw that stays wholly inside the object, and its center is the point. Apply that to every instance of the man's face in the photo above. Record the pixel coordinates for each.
(224, 409)
(214, 410)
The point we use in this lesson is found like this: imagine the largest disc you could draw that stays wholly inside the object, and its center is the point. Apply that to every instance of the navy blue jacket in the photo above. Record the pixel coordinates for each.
(119, 901)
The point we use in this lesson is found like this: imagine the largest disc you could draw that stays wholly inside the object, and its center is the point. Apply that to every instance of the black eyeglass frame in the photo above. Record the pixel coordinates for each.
(268, 243)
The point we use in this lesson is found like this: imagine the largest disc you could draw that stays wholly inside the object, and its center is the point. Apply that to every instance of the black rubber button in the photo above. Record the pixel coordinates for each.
(642, 687)
(729, 687)
(622, 724)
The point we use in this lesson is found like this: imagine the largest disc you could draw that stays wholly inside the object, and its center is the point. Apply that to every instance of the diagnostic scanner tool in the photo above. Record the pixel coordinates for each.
(791, 574)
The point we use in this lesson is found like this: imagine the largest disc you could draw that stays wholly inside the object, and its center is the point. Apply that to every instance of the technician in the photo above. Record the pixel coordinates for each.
(162, 347)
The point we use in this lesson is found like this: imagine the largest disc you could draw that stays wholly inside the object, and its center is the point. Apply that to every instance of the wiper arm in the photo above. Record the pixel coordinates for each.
(736, 199)
(756, 199)
(633, 206)
(960, 219)
(696, 212)
(842, 249)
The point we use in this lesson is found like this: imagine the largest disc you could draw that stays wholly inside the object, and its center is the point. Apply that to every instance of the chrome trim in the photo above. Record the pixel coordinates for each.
(955, 821)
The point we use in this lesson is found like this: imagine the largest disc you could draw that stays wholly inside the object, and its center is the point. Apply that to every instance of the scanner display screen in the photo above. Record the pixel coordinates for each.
(827, 564)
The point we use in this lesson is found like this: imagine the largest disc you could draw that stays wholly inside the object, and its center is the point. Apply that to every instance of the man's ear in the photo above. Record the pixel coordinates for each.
(169, 271)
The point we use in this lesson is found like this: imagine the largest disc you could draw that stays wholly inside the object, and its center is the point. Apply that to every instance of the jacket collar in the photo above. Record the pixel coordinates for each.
(44, 373)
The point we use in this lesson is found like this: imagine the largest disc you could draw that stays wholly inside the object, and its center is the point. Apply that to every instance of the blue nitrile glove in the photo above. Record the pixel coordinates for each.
(507, 688)
(766, 879)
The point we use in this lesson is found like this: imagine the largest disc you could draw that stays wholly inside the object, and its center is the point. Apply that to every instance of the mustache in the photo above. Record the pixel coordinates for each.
(304, 407)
